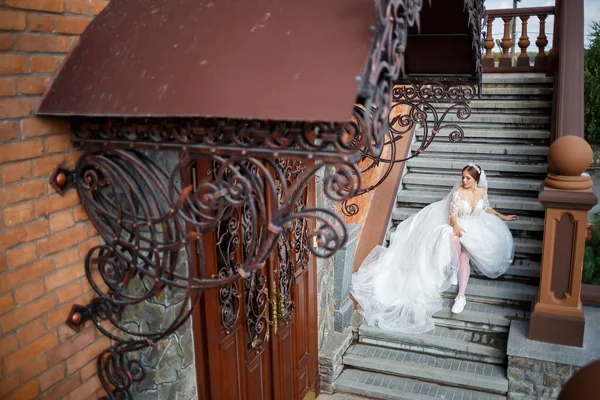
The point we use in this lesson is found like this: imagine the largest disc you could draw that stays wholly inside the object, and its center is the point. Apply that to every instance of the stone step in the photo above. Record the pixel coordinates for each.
(454, 165)
(507, 106)
(516, 93)
(446, 371)
(484, 133)
(516, 79)
(498, 119)
(511, 203)
(527, 246)
(483, 149)
(447, 182)
(495, 291)
(530, 224)
(479, 158)
(479, 317)
(380, 386)
(488, 347)
(524, 269)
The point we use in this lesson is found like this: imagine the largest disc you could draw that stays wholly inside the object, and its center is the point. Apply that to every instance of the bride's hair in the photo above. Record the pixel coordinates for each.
(474, 170)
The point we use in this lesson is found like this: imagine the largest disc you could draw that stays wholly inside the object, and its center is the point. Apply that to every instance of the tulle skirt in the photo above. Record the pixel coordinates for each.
(399, 288)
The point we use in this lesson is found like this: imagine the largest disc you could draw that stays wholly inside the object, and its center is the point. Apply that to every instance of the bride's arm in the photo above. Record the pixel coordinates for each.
(490, 210)
(501, 216)
(458, 231)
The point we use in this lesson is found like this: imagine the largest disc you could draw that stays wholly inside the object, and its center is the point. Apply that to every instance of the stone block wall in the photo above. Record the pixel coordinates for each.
(530, 379)
(170, 371)
(325, 272)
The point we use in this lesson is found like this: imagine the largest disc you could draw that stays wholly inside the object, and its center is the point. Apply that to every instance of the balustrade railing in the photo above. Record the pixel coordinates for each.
(506, 63)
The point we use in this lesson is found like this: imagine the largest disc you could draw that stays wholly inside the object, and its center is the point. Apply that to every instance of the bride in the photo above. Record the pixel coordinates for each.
(399, 288)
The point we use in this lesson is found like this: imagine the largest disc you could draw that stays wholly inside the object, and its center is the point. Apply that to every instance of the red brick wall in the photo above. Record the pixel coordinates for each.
(43, 237)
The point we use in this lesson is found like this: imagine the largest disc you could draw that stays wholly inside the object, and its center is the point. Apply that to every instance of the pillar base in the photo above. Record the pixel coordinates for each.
(582, 182)
(557, 329)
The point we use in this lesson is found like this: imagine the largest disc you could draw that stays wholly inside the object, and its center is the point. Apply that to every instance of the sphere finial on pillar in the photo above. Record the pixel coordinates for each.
(568, 158)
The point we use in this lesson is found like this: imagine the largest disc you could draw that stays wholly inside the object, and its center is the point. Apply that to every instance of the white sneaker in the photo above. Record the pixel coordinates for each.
(459, 304)
(454, 279)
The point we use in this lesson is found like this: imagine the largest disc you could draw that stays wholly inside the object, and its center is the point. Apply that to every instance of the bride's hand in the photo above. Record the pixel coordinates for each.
(458, 231)
(509, 217)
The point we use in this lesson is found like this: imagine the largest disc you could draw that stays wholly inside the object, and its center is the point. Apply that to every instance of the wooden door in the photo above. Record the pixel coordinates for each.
(257, 339)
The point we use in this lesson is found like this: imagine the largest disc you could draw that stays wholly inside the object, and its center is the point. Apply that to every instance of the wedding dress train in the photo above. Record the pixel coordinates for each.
(399, 288)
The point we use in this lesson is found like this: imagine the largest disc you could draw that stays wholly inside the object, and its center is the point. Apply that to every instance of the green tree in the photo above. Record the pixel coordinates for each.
(592, 86)
(591, 256)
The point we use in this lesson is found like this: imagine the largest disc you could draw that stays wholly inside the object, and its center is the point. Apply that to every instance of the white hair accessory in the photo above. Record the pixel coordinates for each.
(477, 167)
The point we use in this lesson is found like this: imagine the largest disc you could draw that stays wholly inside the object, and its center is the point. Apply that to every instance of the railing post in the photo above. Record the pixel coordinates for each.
(552, 62)
(505, 60)
(523, 60)
(541, 43)
(569, 99)
(488, 59)
(567, 195)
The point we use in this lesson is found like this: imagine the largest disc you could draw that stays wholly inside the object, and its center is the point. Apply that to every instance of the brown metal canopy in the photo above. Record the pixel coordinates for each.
(260, 59)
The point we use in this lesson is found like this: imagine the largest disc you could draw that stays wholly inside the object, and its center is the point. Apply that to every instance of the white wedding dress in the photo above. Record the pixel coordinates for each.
(399, 288)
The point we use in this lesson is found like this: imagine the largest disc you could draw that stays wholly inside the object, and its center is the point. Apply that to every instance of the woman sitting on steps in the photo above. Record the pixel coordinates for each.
(399, 288)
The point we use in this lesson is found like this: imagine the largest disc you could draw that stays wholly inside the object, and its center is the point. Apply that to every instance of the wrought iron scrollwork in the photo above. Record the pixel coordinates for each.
(221, 136)
(149, 224)
(257, 296)
(416, 104)
(228, 242)
(384, 66)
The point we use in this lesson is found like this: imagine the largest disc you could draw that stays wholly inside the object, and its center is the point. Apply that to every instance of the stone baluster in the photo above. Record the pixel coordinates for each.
(506, 44)
(523, 60)
(488, 59)
(567, 195)
(541, 43)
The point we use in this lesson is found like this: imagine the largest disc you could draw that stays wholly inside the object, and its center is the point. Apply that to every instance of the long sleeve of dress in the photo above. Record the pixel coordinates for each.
(453, 209)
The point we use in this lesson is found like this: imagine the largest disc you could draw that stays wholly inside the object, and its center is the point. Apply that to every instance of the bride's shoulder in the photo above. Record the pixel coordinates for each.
(481, 191)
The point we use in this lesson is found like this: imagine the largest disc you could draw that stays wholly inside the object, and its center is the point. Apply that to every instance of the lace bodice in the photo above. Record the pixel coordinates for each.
(461, 208)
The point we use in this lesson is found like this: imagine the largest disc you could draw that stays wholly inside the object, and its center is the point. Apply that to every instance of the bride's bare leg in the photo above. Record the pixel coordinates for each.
(464, 271)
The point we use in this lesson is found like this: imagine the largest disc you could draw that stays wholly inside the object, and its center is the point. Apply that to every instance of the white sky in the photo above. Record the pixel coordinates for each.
(592, 13)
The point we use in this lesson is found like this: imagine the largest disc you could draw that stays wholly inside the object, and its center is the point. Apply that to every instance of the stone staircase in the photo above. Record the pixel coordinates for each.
(464, 357)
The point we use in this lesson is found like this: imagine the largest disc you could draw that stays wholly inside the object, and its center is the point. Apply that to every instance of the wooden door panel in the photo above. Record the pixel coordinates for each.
(231, 370)
(301, 317)
(301, 353)
(257, 341)
(258, 378)
(225, 337)
(286, 352)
